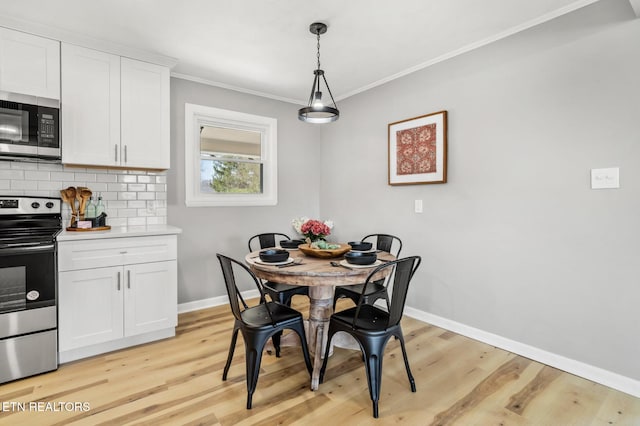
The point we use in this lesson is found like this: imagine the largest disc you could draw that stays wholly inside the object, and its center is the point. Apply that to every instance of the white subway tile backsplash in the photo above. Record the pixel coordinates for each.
(62, 176)
(16, 165)
(137, 187)
(88, 177)
(148, 195)
(118, 187)
(104, 177)
(131, 197)
(127, 179)
(49, 185)
(37, 175)
(137, 204)
(136, 221)
(24, 184)
(126, 195)
(12, 174)
(157, 187)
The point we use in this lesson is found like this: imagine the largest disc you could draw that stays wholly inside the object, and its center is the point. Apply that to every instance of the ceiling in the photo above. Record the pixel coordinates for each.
(265, 47)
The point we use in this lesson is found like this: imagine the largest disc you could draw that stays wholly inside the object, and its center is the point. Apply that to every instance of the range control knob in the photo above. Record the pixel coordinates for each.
(35, 205)
(49, 205)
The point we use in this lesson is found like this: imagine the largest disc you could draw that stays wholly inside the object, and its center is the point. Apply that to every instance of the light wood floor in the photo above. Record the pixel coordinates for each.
(179, 382)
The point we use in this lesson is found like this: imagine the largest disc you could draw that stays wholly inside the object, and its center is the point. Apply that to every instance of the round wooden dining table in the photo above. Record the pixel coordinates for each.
(321, 278)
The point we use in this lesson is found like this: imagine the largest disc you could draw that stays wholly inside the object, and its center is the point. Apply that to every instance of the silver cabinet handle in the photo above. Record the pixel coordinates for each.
(118, 280)
(115, 151)
(125, 153)
(128, 278)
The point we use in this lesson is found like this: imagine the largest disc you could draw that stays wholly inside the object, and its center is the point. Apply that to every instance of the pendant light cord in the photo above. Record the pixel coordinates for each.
(318, 54)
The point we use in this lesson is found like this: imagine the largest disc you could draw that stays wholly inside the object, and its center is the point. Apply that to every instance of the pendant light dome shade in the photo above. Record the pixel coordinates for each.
(316, 110)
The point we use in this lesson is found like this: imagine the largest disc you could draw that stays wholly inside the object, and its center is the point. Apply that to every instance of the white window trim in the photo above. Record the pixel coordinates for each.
(196, 116)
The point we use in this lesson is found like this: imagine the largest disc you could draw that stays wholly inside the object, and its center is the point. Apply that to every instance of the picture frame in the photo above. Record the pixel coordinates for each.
(418, 150)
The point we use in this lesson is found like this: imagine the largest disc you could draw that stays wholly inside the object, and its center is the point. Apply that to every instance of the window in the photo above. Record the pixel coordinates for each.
(230, 158)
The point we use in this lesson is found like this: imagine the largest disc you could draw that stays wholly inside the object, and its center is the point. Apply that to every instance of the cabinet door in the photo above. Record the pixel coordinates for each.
(90, 107)
(145, 115)
(29, 64)
(90, 307)
(151, 297)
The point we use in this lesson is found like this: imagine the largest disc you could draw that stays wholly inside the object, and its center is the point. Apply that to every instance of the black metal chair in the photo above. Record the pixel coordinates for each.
(372, 327)
(277, 291)
(377, 290)
(257, 324)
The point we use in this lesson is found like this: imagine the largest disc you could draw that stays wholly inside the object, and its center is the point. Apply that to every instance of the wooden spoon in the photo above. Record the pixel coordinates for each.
(85, 194)
(71, 199)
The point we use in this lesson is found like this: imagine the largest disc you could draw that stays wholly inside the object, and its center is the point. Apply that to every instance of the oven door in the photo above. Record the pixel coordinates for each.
(27, 277)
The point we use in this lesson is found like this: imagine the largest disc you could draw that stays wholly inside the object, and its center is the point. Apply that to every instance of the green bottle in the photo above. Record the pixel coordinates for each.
(90, 211)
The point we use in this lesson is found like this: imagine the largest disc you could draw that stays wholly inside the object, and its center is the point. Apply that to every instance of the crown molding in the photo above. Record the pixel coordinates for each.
(70, 37)
(473, 46)
(635, 4)
(235, 88)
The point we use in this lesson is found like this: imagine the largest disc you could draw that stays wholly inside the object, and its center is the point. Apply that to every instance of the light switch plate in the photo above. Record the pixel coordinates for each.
(417, 204)
(605, 178)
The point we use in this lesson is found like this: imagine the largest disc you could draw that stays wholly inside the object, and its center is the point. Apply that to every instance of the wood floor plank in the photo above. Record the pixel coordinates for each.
(178, 381)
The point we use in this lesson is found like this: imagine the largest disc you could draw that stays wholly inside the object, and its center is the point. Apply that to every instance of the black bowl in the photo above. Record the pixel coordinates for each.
(291, 244)
(360, 257)
(274, 255)
(360, 245)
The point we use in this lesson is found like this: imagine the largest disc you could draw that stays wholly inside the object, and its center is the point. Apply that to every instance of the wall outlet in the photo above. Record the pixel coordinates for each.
(605, 178)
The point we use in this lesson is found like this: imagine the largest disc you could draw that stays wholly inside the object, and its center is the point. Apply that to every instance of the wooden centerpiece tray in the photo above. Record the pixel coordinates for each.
(97, 228)
(324, 253)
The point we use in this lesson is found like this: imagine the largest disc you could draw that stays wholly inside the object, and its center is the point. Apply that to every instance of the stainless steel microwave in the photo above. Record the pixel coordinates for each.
(29, 127)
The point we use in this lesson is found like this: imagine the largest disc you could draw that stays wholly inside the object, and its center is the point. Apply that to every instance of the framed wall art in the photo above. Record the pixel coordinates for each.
(418, 150)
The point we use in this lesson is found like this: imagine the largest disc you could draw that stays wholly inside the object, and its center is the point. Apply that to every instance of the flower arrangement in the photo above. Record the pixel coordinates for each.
(312, 229)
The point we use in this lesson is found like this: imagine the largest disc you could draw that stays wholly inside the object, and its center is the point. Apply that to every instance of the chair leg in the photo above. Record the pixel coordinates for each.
(299, 329)
(374, 377)
(326, 355)
(276, 342)
(254, 344)
(232, 348)
(412, 382)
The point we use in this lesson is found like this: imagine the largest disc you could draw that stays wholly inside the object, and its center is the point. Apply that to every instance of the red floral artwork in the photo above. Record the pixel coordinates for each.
(416, 150)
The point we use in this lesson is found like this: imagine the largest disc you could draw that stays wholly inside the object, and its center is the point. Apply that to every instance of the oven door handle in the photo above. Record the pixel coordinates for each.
(27, 249)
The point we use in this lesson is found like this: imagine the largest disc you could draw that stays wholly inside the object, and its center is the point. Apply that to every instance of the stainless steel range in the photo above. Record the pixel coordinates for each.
(28, 285)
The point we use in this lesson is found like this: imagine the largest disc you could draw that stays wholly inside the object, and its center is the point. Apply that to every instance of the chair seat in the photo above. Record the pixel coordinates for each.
(370, 318)
(258, 317)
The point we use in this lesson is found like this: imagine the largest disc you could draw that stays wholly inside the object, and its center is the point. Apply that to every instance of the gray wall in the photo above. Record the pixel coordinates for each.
(516, 243)
(211, 230)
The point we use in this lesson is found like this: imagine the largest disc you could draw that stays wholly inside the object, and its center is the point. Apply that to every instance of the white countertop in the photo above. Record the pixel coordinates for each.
(119, 232)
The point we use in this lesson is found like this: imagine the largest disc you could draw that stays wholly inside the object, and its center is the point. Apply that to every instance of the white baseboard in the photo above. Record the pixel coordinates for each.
(213, 301)
(587, 371)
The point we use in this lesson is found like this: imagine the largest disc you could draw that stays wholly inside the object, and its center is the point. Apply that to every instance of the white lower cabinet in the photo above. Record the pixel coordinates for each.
(106, 306)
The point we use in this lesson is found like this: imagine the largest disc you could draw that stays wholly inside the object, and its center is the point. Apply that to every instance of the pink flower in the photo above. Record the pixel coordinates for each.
(314, 229)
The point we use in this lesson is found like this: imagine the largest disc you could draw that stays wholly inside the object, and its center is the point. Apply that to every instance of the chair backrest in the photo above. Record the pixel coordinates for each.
(401, 271)
(386, 242)
(265, 240)
(236, 301)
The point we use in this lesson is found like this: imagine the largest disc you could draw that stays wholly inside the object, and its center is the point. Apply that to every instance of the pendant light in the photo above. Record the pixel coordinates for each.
(317, 111)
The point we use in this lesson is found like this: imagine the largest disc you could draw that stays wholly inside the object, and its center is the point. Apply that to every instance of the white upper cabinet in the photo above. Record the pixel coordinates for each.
(115, 110)
(29, 64)
(90, 107)
(145, 114)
